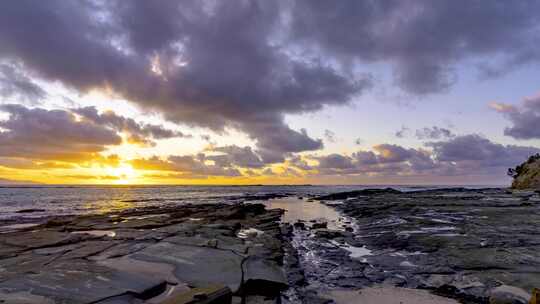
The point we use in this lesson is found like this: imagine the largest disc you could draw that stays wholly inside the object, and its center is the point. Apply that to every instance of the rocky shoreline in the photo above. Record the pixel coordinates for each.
(430, 246)
(472, 245)
(187, 254)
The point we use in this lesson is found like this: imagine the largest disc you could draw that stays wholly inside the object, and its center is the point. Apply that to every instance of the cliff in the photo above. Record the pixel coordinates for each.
(527, 175)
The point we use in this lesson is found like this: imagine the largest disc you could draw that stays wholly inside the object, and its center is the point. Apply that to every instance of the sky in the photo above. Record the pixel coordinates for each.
(268, 92)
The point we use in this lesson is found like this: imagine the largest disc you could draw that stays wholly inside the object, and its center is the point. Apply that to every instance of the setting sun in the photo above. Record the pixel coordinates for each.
(125, 174)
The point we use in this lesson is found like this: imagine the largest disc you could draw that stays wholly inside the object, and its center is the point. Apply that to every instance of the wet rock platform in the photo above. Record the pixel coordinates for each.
(186, 254)
(473, 245)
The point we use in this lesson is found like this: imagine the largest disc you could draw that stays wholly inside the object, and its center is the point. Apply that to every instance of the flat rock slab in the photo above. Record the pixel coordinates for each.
(182, 254)
(40, 238)
(263, 277)
(213, 241)
(198, 266)
(80, 282)
(216, 294)
(387, 295)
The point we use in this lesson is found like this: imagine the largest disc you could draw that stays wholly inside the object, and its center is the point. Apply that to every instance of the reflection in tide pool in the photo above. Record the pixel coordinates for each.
(299, 209)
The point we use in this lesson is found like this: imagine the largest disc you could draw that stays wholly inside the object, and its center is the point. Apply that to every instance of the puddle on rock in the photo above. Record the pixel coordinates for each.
(97, 233)
(323, 259)
(302, 210)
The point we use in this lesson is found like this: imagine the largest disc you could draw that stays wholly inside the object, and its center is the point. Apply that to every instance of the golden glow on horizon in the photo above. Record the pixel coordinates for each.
(125, 174)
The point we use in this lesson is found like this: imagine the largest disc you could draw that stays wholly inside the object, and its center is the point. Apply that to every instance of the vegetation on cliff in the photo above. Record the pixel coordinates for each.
(526, 175)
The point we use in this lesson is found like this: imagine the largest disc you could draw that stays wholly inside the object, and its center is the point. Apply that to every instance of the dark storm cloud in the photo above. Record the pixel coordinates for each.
(365, 157)
(335, 161)
(277, 141)
(213, 66)
(238, 156)
(525, 118)
(424, 39)
(51, 135)
(13, 83)
(137, 132)
(461, 155)
(434, 133)
(299, 163)
(31, 134)
(388, 153)
(481, 151)
(246, 64)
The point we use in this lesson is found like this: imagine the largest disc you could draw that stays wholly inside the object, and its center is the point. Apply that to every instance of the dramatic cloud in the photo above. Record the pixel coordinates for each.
(246, 64)
(51, 135)
(13, 83)
(35, 138)
(525, 119)
(299, 163)
(18, 163)
(424, 39)
(277, 141)
(137, 133)
(480, 151)
(236, 156)
(212, 65)
(434, 133)
(335, 161)
(394, 153)
(459, 156)
(186, 166)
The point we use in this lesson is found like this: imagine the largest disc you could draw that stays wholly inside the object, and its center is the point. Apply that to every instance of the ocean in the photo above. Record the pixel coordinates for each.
(31, 203)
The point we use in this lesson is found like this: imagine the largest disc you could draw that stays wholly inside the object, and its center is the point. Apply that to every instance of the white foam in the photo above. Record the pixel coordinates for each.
(250, 232)
(407, 264)
(354, 252)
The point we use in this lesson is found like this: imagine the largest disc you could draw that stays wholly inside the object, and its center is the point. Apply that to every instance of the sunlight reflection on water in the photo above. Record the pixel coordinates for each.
(102, 207)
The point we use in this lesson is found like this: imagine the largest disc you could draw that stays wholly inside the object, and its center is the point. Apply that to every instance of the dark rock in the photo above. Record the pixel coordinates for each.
(215, 294)
(195, 265)
(322, 225)
(135, 255)
(263, 277)
(30, 210)
(81, 282)
(328, 234)
(300, 225)
(346, 195)
(286, 229)
(508, 295)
